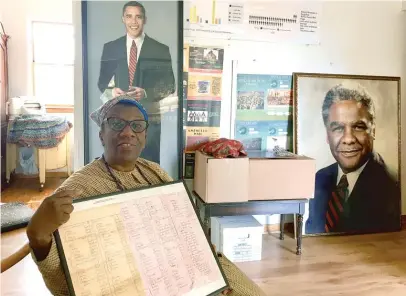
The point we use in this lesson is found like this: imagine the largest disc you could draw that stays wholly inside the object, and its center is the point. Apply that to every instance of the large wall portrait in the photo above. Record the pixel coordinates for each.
(351, 126)
(133, 47)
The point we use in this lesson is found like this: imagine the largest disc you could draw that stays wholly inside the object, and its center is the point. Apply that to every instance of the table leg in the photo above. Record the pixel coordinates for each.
(299, 234)
(282, 227)
(204, 216)
(206, 223)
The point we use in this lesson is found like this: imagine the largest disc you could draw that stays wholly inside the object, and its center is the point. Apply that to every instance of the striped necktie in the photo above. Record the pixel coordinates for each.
(336, 205)
(133, 62)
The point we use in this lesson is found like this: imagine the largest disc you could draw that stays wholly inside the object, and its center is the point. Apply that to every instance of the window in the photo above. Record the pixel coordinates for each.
(53, 68)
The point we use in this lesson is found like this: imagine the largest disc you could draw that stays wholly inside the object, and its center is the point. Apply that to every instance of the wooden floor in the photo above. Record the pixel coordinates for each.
(364, 265)
(27, 190)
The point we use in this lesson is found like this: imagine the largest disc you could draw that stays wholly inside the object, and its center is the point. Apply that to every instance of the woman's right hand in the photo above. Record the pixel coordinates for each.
(54, 211)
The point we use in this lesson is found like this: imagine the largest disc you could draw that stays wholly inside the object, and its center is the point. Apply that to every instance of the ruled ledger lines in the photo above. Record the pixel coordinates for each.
(147, 246)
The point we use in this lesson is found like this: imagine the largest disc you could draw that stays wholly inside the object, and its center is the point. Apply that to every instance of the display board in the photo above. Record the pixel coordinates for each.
(270, 21)
(263, 109)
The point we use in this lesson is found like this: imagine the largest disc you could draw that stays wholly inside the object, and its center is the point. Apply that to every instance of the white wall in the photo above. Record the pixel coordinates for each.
(364, 37)
(17, 18)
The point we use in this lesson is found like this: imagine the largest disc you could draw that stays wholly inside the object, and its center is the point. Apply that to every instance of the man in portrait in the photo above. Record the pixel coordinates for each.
(356, 194)
(138, 65)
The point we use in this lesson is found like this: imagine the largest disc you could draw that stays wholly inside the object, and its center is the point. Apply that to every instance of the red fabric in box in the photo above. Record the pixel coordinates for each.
(223, 147)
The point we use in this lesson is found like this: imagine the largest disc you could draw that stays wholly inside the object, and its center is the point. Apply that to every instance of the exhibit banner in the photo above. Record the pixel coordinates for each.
(202, 90)
(263, 111)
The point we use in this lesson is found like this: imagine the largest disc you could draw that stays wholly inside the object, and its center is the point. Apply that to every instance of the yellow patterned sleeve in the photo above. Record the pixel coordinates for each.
(52, 273)
(240, 284)
(50, 268)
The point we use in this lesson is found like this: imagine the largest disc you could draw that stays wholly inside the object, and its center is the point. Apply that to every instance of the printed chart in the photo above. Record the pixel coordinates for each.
(269, 21)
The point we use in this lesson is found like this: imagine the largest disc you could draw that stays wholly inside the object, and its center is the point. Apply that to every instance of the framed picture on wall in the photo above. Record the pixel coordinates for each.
(135, 48)
(351, 125)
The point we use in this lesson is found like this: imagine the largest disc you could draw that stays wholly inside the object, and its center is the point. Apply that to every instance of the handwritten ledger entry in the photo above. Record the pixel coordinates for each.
(141, 243)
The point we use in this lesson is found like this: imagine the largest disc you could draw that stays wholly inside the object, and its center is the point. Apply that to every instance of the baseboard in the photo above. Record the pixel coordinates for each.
(271, 228)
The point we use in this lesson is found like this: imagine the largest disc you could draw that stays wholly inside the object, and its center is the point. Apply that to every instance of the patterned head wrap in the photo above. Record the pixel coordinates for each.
(98, 115)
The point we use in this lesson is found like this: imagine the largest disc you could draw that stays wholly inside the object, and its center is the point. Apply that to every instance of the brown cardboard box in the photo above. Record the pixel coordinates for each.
(221, 180)
(273, 177)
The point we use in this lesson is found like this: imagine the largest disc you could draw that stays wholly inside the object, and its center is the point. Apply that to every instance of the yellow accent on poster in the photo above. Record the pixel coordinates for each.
(204, 87)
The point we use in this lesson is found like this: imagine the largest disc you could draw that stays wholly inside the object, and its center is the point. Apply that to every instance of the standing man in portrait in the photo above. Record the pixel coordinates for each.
(141, 67)
(356, 194)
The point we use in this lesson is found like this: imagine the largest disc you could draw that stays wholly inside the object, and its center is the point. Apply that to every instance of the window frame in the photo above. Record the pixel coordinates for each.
(50, 108)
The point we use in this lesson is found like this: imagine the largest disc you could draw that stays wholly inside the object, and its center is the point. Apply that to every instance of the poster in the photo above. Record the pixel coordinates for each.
(185, 92)
(206, 59)
(198, 135)
(203, 113)
(263, 111)
(185, 57)
(202, 88)
(269, 21)
(152, 78)
(206, 87)
(262, 135)
(210, 18)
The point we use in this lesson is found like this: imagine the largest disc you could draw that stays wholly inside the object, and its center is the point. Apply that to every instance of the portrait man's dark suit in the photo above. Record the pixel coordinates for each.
(154, 71)
(373, 205)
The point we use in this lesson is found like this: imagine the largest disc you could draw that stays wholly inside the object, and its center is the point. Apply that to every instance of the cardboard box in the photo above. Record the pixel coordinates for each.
(239, 238)
(221, 180)
(276, 177)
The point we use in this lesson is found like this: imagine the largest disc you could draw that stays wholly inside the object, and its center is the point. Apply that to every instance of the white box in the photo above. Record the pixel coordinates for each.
(239, 238)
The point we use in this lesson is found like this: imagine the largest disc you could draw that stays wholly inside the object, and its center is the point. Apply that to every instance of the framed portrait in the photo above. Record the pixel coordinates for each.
(136, 47)
(350, 125)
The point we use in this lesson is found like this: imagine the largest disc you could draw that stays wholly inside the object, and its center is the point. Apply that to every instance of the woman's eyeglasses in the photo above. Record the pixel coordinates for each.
(118, 124)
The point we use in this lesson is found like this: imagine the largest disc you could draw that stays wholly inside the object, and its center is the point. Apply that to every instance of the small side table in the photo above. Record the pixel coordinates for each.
(262, 207)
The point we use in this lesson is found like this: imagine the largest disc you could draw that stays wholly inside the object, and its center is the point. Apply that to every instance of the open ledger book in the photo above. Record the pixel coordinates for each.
(148, 242)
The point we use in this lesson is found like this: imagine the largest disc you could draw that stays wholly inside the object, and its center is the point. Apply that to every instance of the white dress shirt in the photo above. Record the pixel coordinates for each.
(138, 41)
(351, 177)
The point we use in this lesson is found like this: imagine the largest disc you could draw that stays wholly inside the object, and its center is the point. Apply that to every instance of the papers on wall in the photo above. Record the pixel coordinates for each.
(268, 21)
(263, 111)
(202, 86)
(210, 18)
(147, 242)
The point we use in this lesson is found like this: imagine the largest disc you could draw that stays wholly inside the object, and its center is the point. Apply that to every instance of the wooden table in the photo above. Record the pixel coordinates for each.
(263, 207)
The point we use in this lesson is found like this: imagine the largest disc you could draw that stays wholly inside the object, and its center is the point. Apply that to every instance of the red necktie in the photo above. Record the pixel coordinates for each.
(336, 205)
(133, 62)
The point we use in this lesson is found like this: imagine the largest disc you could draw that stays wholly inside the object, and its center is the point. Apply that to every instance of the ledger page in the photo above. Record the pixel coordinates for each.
(141, 243)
